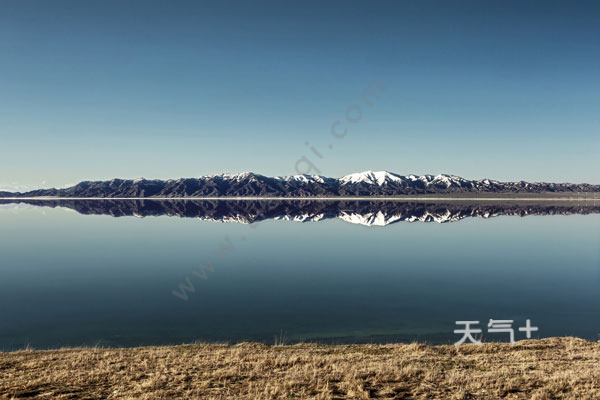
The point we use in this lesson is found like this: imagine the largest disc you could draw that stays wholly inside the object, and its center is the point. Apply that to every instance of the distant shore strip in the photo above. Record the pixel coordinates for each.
(564, 197)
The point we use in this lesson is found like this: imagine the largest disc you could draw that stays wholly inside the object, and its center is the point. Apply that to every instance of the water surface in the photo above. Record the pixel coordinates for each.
(70, 279)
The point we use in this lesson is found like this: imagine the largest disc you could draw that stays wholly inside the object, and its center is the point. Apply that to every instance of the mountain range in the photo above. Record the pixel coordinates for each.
(368, 183)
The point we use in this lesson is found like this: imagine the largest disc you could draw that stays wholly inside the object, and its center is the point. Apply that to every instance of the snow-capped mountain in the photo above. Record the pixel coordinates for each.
(368, 183)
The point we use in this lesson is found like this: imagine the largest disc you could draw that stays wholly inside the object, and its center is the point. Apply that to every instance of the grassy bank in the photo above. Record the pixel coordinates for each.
(558, 368)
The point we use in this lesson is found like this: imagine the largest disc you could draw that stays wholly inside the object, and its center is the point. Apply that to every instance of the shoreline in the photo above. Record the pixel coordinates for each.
(496, 197)
(541, 369)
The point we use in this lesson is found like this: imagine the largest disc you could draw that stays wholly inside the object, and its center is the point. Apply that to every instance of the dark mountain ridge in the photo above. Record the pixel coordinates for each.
(367, 183)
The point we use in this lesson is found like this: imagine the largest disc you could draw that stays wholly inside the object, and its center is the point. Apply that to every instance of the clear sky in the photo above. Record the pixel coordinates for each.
(100, 89)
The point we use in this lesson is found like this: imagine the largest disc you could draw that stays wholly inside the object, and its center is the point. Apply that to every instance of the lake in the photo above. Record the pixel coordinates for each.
(73, 274)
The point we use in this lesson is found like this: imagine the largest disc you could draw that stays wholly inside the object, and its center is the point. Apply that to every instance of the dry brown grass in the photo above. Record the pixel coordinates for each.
(558, 368)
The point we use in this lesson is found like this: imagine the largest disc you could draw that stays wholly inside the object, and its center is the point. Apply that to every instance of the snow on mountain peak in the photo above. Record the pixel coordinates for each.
(371, 177)
(304, 178)
(382, 177)
(240, 175)
(448, 180)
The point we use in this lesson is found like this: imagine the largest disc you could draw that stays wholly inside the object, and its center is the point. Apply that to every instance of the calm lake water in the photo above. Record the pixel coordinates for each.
(69, 279)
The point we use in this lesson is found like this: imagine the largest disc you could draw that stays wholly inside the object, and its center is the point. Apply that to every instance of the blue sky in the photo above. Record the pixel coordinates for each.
(102, 89)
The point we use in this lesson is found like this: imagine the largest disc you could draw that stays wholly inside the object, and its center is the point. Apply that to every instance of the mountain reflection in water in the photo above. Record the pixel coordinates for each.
(371, 213)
